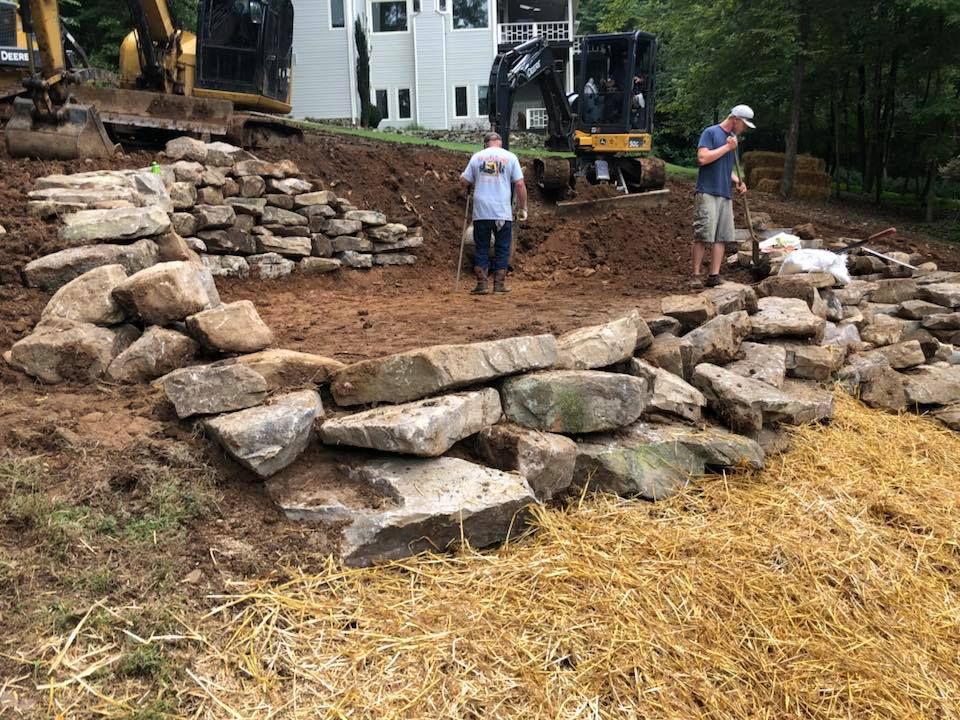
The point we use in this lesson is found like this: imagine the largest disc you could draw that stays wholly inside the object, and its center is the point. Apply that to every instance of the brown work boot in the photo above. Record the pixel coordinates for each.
(713, 280)
(499, 282)
(481, 275)
(696, 282)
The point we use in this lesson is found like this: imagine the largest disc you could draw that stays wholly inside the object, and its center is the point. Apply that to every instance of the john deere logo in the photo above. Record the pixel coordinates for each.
(14, 57)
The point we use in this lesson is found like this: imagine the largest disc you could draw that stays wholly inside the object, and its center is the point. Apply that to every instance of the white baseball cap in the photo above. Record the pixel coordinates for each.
(745, 113)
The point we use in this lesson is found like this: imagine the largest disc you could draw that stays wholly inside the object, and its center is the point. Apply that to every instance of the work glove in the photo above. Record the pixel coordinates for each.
(522, 214)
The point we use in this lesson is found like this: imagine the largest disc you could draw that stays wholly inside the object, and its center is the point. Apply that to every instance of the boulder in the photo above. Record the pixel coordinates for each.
(231, 266)
(171, 247)
(164, 293)
(402, 243)
(89, 298)
(945, 294)
(186, 148)
(942, 321)
(352, 259)
(671, 354)
(574, 401)
(183, 195)
(767, 363)
(746, 404)
(718, 340)
(252, 186)
(689, 310)
(661, 324)
(928, 385)
(796, 285)
(598, 345)
(854, 292)
(545, 460)
(729, 297)
(244, 168)
(883, 330)
(318, 265)
(425, 371)
(231, 328)
(221, 154)
(269, 266)
(57, 269)
(813, 362)
(336, 228)
(389, 233)
(278, 216)
(948, 416)
(284, 202)
(155, 353)
(124, 224)
(412, 505)
(900, 355)
(367, 217)
(785, 316)
(289, 246)
(308, 199)
(214, 217)
(894, 291)
(427, 428)
(247, 206)
(670, 393)
(213, 389)
(209, 196)
(861, 368)
(885, 390)
(394, 259)
(289, 186)
(289, 369)
(267, 438)
(346, 243)
(214, 177)
(232, 241)
(287, 230)
(918, 309)
(183, 224)
(187, 171)
(60, 350)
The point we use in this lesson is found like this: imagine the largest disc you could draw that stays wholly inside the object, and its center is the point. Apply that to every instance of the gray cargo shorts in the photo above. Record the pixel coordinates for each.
(712, 218)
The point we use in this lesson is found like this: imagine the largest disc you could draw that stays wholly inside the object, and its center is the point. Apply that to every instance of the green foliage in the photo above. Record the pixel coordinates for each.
(363, 74)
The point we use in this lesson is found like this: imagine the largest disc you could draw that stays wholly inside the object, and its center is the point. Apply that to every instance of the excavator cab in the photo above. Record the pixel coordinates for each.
(615, 83)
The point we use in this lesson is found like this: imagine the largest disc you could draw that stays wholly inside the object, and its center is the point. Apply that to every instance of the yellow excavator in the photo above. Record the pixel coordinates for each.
(231, 80)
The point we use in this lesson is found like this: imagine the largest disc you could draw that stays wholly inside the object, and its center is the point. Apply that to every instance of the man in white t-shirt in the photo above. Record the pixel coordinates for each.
(494, 173)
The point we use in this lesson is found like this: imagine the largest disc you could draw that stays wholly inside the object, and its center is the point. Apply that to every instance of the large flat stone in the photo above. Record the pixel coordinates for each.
(278, 216)
(155, 353)
(427, 428)
(123, 224)
(759, 361)
(233, 328)
(670, 353)
(297, 247)
(212, 389)
(321, 197)
(164, 293)
(267, 438)
(928, 385)
(545, 460)
(61, 350)
(89, 298)
(883, 330)
(812, 362)
(270, 266)
(779, 316)
(718, 340)
(690, 310)
(886, 390)
(289, 369)
(730, 297)
(894, 290)
(795, 285)
(574, 401)
(57, 269)
(942, 321)
(670, 393)
(901, 355)
(424, 504)
(946, 294)
(599, 345)
(418, 373)
(213, 217)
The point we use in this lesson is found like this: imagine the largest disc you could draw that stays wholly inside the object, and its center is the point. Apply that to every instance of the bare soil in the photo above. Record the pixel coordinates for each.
(109, 464)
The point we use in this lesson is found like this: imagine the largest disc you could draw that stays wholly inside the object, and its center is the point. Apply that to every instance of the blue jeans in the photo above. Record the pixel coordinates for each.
(482, 230)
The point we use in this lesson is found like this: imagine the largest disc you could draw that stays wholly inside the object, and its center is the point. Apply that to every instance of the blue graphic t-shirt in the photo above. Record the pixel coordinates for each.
(714, 179)
(492, 172)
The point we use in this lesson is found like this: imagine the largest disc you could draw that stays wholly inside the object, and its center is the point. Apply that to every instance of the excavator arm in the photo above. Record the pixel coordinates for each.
(158, 40)
(532, 61)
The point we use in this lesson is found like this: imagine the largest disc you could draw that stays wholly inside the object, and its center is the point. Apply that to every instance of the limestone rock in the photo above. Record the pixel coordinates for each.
(252, 186)
(662, 324)
(918, 309)
(346, 243)
(289, 369)
(949, 416)
(426, 428)
(164, 293)
(318, 265)
(66, 350)
(186, 148)
(231, 266)
(574, 401)
(883, 330)
(247, 206)
(322, 197)
(670, 393)
(267, 438)
(352, 259)
(812, 362)
(886, 390)
(245, 168)
(402, 243)
(57, 269)
(689, 310)
(896, 290)
(224, 155)
(278, 216)
(367, 217)
(718, 340)
(855, 292)
(795, 285)
(209, 196)
(729, 297)
(232, 241)
(213, 217)
(187, 171)
(289, 186)
(670, 353)
(289, 246)
(942, 321)
(599, 345)
(172, 247)
(157, 352)
(946, 294)
(785, 316)
(927, 385)
(767, 363)
(183, 224)
(231, 328)
(901, 355)
(89, 226)
(545, 460)
(212, 389)
(89, 298)
(183, 195)
(425, 371)
(394, 259)
(269, 266)
(336, 228)
(214, 177)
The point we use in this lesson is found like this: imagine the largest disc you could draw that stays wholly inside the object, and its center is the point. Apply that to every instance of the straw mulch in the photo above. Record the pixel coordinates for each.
(763, 158)
(802, 192)
(800, 177)
(826, 586)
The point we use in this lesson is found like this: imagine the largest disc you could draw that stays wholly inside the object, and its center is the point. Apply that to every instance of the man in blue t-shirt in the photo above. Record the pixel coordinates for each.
(494, 173)
(712, 206)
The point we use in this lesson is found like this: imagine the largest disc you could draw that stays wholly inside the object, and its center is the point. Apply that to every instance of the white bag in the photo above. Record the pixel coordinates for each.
(804, 261)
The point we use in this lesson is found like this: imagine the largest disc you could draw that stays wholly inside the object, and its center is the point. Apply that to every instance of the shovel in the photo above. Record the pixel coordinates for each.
(754, 241)
(463, 239)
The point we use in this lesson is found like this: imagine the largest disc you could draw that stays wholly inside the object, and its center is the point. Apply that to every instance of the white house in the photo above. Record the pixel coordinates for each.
(430, 60)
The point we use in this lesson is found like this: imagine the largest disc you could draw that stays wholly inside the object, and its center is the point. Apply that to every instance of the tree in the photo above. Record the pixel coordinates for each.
(369, 113)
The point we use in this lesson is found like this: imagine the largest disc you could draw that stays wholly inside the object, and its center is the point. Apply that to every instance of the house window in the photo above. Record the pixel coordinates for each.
(403, 97)
(460, 101)
(469, 14)
(416, 5)
(336, 14)
(389, 16)
(382, 105)
(442, 4)
(483, 107)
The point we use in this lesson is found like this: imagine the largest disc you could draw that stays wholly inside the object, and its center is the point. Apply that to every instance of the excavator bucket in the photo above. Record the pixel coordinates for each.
(75, 132)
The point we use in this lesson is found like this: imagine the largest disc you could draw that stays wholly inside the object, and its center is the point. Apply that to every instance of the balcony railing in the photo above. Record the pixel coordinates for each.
(509, 33)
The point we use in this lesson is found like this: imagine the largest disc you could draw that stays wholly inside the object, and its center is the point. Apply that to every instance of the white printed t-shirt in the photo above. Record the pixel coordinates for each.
(492, 172)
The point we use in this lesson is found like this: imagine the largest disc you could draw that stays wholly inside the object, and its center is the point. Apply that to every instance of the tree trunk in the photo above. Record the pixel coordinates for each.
(835, 111)
(862, 119)
(931, 190)
(793, 131)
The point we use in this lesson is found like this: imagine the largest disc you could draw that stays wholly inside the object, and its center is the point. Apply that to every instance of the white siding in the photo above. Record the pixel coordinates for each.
(391, 67)
(322, 83)
(431, 86)
(470, 55)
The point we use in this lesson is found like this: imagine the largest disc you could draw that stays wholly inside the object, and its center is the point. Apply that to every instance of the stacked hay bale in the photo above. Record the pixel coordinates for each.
(764, 171)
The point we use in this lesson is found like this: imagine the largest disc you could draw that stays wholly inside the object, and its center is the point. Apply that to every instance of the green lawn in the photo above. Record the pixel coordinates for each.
(674, 170)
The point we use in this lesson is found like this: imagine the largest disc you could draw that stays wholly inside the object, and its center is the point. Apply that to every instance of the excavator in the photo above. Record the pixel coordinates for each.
(231, 80)
(605, 126)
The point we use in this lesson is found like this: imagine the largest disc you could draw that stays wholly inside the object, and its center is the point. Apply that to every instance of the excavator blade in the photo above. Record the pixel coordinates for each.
(76, 132)
(649, 199)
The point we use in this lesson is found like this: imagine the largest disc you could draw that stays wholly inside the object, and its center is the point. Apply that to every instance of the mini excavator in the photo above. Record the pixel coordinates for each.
(231, 80)
(606, 124)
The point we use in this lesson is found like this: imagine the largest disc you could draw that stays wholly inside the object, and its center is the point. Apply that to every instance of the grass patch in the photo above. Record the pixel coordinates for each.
(146, 661)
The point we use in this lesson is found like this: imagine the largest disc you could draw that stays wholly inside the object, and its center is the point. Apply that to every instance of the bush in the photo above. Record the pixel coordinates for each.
(373, 117)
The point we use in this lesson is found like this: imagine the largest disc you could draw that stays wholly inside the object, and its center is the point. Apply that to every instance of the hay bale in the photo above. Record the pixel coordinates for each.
(767, 186)
(808, 177)
(764, 159)
(764, 173)
(811, 192)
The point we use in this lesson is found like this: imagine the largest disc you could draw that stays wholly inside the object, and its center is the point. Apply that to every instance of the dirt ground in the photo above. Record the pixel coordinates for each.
(105, 495)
